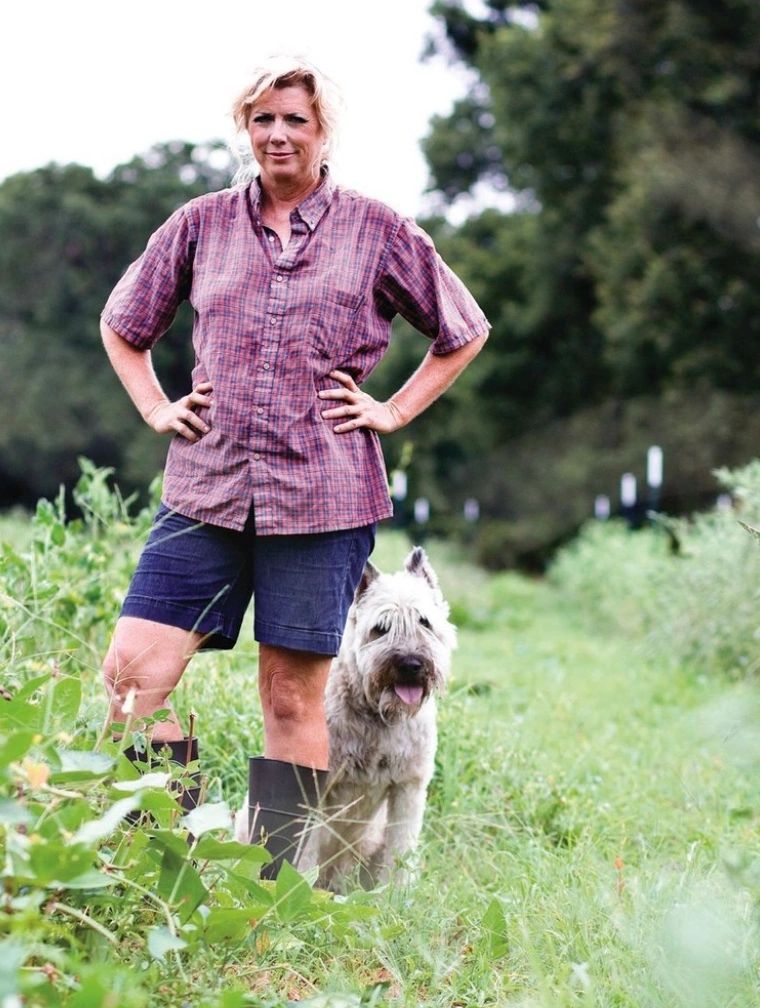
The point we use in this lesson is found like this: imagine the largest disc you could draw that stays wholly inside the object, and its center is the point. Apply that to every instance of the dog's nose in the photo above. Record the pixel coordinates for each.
(409, 666)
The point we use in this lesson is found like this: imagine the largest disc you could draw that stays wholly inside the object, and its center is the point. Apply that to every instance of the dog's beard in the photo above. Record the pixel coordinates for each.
(395, 693)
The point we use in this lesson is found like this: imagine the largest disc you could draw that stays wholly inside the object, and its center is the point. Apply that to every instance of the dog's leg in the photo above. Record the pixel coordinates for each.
(373, 848)
(406, 808)
(341, 833)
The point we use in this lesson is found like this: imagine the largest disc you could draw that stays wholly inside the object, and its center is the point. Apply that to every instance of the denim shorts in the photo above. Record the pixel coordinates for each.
(201, 577)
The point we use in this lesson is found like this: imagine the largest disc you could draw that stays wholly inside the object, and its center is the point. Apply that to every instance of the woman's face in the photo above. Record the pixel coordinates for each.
(286, 137)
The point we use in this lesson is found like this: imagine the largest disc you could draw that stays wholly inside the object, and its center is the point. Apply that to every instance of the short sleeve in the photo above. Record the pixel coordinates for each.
(144, 302)
(416, 283)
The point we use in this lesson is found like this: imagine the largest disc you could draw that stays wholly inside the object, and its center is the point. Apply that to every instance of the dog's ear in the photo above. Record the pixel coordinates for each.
(417, 563)
(369, 574)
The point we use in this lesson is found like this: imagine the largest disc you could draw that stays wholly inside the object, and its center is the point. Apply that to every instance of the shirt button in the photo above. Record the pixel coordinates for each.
(280, 279)
(271, 238)
(259, 410)
(273, 321)
(265, 366)
(257, 456)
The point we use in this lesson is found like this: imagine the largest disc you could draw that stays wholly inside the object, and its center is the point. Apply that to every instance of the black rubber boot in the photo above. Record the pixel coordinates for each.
(280, 798)
(183, 751)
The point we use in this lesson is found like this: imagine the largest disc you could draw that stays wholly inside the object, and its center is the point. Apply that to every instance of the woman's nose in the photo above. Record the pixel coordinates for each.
(278, 134)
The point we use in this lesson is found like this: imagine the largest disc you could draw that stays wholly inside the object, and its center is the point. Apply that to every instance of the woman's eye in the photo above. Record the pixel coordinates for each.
(262, 118)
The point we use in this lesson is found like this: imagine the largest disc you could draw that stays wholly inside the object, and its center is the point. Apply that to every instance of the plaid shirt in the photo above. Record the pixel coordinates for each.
(270, 323)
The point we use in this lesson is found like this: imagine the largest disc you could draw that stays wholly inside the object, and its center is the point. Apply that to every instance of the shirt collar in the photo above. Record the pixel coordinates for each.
(313, 207)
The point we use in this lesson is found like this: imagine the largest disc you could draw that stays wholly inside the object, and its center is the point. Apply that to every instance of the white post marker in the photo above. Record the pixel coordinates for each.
(628, 490)
(422, 510)
(654, 467)
(471, 510)
(602, 507)
(398, 485)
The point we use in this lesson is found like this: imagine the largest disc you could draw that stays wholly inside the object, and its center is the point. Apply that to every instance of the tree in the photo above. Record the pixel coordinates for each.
(632, 130)
(628, 134)
(66, 238)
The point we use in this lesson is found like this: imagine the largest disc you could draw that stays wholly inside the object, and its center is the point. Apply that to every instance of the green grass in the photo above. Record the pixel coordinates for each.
(15, 528)
(562, 754)
(591, 837)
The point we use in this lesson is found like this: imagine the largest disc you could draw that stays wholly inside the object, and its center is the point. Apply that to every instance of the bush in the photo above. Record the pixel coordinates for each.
(690, 585)
(537, 489)
(106, 899)
(525, 545)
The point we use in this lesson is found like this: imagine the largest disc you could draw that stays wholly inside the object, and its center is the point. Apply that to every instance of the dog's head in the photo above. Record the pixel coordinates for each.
(399, 637)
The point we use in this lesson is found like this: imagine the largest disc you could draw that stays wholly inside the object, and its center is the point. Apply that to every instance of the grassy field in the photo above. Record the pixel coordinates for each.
(591, 837)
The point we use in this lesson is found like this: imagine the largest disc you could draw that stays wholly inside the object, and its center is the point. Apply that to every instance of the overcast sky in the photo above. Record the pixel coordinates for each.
(97, 81)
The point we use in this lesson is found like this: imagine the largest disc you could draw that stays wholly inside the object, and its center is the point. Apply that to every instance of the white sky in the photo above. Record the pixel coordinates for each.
(97, 81)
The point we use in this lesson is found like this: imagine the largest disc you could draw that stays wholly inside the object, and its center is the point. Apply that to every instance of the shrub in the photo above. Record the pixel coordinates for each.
(690, 585)
(106, 899)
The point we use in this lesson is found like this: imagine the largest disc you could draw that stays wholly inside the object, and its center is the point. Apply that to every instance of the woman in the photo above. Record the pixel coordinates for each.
(274, 480)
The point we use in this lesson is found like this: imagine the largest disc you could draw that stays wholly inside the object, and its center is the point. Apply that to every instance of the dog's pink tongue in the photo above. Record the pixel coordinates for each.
(409, 694)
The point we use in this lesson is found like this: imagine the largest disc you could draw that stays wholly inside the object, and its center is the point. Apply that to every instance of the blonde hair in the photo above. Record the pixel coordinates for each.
(282, 72)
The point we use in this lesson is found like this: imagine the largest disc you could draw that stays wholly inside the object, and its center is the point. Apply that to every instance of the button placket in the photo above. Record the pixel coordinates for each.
(282, 261)
(270, 346)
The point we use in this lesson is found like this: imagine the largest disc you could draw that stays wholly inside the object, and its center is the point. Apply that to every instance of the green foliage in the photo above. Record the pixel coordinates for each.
(675, 262)
(628, 136)
(121, 891)
(66, 239)
(91, 893)
(537, 489)
(689, 586)
(59, 592)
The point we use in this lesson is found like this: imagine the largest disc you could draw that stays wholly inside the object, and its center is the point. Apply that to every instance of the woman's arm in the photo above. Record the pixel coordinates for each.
(434, 375)
(135, 370)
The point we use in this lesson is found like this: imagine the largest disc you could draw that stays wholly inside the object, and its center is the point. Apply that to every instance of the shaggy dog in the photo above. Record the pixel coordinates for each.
(380, 707)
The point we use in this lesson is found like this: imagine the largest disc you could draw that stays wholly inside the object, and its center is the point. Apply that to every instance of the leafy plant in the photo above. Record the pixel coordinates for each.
(690, 587)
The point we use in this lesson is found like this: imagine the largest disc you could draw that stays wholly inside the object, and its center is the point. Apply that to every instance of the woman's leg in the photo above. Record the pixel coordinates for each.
(303, 588)
(292, 689)
(148, 658)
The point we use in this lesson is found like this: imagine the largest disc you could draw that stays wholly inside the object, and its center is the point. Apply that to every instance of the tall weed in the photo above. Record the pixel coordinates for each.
(691, 587)
(110, 896)
(59, 590)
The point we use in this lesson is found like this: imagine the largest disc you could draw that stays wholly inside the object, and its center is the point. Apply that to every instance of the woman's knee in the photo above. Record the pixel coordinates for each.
(292, 684)
(147, 658)
(286, 699)
(122, 675)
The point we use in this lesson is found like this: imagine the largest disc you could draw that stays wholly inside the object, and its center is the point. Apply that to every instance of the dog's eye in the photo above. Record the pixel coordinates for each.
(378, 631)
(424, 621)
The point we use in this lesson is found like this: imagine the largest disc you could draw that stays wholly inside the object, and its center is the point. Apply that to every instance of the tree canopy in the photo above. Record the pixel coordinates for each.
(628, 133)
(66, 238)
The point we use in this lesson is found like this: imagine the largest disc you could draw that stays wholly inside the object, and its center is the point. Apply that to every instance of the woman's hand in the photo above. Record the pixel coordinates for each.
(180, 416)
(361, 409)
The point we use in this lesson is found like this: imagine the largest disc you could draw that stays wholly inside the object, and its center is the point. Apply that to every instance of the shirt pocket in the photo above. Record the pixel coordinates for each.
(335, 327)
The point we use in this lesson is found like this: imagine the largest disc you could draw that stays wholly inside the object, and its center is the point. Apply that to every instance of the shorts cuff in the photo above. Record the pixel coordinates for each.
(211, 625)
(297, 638)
